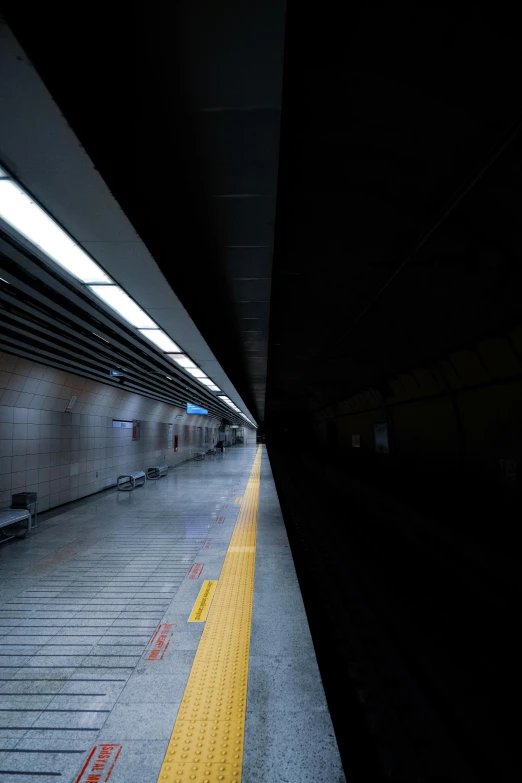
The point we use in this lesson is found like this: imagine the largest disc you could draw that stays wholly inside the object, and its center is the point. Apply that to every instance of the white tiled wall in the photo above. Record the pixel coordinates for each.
(64, 456)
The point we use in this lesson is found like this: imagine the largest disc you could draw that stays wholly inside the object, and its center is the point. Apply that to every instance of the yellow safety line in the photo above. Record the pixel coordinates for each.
(206, 745)
(204, 600)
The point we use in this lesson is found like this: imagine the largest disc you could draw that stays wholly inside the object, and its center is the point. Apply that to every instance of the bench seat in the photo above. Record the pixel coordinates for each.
(10, 516)
(134, 479)
(157, 471)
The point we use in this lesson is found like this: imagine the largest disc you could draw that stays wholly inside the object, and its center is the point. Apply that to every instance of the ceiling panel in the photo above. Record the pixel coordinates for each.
(245, 220)
(246, 263)
(397, 167)
(190, 96)
(251, 290)
(240, 149)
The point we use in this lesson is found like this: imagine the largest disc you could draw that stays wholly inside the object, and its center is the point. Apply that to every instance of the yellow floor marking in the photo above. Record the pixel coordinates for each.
(241, 549)
(203, 602)
(206, 745)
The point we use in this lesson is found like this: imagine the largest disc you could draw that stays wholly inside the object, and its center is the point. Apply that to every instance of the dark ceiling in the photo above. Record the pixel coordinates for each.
(397, 232)
(178, 105)
(398, 217)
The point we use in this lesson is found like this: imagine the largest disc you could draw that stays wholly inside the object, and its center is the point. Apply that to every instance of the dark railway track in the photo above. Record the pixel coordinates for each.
(416, 642)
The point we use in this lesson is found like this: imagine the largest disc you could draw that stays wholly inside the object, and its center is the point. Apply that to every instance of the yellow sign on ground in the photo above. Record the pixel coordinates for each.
(204, 599)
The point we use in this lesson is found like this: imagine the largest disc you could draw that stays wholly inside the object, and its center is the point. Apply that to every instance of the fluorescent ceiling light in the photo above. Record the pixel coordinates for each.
(116, 298)
(183, 361)
(100, 337)
(21, 213)
(160, 339)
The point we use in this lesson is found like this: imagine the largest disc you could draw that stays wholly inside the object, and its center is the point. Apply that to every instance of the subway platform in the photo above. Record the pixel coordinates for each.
(160, 635)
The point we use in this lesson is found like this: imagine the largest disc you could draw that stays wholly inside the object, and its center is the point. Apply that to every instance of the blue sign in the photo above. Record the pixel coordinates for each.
(196, 409)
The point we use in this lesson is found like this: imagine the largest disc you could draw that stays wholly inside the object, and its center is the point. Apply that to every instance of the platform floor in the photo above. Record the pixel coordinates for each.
(89, 687)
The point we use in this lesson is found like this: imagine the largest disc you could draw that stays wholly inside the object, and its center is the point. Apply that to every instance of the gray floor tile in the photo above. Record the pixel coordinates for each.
(89, 590)
(22, 701)
(38, 764)
(5, 745)
(282, 634)
(130, 649)
(302, 749)
(140, 760)
(51, 660)
(56, 718)
(285, 683)
(155, 684)
(139, 722)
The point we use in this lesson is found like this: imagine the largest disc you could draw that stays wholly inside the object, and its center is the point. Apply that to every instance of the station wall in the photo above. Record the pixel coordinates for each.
(67, 455)
(462, 411)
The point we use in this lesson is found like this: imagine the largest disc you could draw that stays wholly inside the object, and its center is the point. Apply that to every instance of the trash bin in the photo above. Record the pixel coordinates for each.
(28, 500)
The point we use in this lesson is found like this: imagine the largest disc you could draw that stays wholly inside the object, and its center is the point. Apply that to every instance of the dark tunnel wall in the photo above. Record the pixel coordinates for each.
(398, 232)
(458, 415)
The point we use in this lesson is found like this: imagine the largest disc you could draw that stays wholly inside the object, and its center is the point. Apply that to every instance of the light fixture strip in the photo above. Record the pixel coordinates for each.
(19, 211)
(22, 213)
(161, 340)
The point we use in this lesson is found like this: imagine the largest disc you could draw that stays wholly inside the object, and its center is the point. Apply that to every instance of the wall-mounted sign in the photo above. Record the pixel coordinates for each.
(135, 430)
(196, 409)
(70, 404)
(170, 439)
(119, 424)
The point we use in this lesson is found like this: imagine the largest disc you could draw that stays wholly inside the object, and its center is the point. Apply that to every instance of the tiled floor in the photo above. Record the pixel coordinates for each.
(82, 597)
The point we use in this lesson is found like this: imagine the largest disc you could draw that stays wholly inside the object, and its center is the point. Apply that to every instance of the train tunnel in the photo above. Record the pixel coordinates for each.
(260, 392)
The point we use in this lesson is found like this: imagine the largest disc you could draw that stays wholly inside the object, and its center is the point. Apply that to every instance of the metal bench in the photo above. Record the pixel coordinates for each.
(10, 516)
(134, 479)
(157, 471)
(28, 501)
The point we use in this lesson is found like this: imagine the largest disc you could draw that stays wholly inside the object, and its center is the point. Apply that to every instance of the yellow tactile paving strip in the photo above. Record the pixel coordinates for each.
(207, 741)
